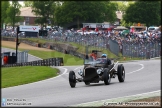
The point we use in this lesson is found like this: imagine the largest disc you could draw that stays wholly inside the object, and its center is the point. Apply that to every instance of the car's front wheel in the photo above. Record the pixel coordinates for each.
(121, 73)
(87, 83)
(72, 79)
(106, 77)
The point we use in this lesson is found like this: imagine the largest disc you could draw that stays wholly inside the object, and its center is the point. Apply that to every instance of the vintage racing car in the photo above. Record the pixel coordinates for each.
(97, 70)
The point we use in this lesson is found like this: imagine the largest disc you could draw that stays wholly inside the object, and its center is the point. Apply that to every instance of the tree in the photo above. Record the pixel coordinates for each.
(54, 6)
(28, 3)
(13, 13)
(110, 16)
(83, 11)
(43, 9)
(146, 12)
(126, 24)
(4, 6)
(122, 5)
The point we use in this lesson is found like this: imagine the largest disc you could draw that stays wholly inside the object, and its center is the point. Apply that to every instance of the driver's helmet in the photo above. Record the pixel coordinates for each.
(104, 56)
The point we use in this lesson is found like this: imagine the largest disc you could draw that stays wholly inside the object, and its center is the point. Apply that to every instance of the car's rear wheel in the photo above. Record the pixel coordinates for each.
(72, 79)
(106, 77)
(87, 83)
(121, 73)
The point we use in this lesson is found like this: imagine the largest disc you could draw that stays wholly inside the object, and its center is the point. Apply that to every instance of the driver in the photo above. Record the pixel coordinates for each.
(108, 60)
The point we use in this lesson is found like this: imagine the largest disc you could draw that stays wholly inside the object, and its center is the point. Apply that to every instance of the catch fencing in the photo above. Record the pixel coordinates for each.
(96, 41)
(131, 49)
(144, 50)
(114, 46)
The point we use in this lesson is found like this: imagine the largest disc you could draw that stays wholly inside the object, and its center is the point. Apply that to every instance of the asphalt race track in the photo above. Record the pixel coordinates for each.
(141, 76)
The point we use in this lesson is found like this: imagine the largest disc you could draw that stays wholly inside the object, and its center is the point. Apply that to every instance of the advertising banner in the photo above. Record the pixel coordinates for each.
(29, 28)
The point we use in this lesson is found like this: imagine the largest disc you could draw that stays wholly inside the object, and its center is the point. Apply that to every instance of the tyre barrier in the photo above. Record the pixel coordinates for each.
(45, 62)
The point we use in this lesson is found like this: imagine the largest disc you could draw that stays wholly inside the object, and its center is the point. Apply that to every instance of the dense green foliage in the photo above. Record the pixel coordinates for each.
(13, 12)
(85, 11)
(4, 6)
(28, 3)
(146, 12)
(44, 9)
(66, 12)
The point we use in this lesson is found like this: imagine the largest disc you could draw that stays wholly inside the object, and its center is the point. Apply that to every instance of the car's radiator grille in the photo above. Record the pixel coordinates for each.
(90, 73)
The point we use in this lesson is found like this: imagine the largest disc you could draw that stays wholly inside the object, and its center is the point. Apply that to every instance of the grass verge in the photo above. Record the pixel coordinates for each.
(15, 76)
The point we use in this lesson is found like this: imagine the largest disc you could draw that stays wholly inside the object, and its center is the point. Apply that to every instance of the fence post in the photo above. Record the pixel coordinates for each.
(149, 50)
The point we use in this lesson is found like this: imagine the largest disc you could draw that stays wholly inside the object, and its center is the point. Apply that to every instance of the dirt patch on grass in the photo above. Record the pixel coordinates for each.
(22, 46)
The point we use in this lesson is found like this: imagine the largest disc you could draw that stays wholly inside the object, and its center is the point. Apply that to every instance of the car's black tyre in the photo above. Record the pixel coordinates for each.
(106, 77)
(72, 79)
(87, 83)
(121, 73)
